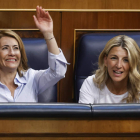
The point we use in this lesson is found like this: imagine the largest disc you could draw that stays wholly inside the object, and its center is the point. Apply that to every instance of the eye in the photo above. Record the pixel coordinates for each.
(4, 48)
(16, 48)
(125, 60)
(113, 58)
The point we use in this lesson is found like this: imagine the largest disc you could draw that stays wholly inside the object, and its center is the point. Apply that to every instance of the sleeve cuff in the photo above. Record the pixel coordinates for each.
(52, 58)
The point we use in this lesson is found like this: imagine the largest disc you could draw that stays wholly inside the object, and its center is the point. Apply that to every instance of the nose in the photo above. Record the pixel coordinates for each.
(119, 64)
(11, 51)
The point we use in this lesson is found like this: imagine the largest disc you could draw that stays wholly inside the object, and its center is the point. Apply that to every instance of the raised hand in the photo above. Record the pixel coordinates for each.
(43, 22)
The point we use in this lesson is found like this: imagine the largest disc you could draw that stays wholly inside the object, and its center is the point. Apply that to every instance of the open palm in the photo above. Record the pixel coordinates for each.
(43, 20)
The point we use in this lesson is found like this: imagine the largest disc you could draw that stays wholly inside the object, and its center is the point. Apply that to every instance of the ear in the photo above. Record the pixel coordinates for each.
(105, 61)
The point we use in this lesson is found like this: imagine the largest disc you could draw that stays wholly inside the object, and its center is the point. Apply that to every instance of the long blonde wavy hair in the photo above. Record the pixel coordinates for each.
(101, 74)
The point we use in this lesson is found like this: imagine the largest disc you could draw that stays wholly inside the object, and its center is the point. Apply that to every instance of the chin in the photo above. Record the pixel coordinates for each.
(12, 69)
(119, 79)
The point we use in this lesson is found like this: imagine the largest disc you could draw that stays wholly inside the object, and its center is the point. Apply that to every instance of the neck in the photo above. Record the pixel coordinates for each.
(7, 77)
(117, 88)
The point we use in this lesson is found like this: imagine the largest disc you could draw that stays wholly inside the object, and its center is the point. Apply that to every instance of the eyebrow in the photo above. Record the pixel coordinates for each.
(8, 45)
(113, 55)
(117, 56)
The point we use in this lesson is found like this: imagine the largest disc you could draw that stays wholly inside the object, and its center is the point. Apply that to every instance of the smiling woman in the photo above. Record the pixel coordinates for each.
(9, 48)
(18, 83)
(118, 69)
(9, 54)
(118, 79)
(9, 59)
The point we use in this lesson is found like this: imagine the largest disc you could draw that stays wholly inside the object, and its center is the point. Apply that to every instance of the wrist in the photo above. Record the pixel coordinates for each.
(48, 35)
(49, 39)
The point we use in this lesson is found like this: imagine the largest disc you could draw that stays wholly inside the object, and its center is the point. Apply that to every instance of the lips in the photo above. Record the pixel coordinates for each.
(13, 60)
(117, 72)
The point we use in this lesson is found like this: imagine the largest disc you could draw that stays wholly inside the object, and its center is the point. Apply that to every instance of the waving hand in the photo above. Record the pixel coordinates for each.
(43, 21)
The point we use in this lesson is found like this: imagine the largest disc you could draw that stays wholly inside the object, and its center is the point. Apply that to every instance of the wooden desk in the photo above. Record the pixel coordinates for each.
(68, 129)
(63, 121)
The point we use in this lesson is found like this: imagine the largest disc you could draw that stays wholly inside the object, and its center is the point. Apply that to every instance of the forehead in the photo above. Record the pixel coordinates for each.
(119, 51)
(8, 41)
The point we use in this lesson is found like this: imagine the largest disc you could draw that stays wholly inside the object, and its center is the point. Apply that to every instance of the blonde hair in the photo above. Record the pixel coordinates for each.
(23, 66)
(101, 75)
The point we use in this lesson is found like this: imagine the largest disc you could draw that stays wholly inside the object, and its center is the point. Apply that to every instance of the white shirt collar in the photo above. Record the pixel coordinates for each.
(22, 80)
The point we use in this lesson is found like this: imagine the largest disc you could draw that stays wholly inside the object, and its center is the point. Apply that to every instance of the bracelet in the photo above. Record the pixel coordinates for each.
(49, 38)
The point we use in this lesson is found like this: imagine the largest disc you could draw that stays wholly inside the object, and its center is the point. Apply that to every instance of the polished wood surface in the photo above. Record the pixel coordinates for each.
(69, 138)
(24, 20)
(68, 126)
(70, 4)
(69, 129)
(17, 20)
(118, 20)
